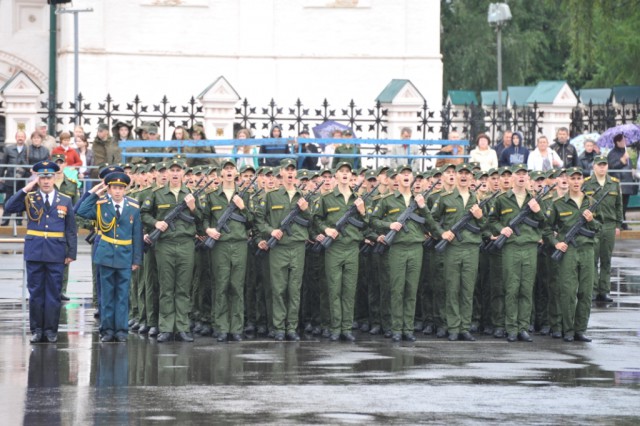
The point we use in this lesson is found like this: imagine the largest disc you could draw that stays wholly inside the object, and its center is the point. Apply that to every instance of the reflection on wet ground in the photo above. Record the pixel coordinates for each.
(82, 381)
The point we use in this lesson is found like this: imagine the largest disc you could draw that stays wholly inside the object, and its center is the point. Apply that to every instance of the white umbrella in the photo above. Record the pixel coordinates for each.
(578, 141)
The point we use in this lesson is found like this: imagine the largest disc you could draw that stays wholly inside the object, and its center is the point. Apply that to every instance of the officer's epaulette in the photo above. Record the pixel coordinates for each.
(615, 179)
(133, 202)
(102, 200)
(31, 193)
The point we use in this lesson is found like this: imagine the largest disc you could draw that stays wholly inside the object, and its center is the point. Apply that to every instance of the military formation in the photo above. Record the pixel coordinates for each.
(278, 252)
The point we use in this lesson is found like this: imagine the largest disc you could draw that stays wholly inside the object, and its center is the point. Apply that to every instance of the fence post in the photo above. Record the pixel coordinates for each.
(21, 96)
(219, 100)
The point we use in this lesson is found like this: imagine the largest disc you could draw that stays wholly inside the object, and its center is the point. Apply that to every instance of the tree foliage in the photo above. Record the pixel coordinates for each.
(590, 43)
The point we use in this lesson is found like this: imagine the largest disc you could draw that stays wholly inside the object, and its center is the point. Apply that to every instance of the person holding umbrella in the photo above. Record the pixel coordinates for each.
(618, 159)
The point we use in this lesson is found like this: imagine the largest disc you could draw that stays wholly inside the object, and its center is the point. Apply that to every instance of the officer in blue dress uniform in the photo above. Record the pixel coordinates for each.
(50, 244)
(104, 170)
(118, 252)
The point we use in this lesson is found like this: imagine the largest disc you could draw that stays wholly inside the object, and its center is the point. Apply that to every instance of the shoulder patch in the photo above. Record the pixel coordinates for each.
(147, 203)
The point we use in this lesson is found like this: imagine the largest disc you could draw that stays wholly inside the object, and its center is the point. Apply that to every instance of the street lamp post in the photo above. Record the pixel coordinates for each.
(76, 66)
(499, 15)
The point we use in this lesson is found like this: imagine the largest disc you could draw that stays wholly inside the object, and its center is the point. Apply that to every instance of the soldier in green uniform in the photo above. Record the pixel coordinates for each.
(520, 252)
(429, 308)
(405, 254)
(482, 294)
(460, 257)
(495, 259)
(264, 314)
(555, 313)
(286, 259)
(609, 214)
(136, 290)
(345, 148)
(449, 178)
(540, 311)
(381, 299)
(148, 282)
(174, 252)
(365, 269)
(69, 187)
(229, 255)
(576, 268)
(341, 259)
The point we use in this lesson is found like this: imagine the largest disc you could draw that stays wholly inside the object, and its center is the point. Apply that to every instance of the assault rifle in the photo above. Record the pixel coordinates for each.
(293, 216)
(178, 212)
(347, 218)
(579, 229)
(514, 223)
(405, 216)
(228, 214)
(464, 223)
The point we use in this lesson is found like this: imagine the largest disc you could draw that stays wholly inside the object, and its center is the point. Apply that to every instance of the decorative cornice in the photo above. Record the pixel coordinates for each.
(38, 76)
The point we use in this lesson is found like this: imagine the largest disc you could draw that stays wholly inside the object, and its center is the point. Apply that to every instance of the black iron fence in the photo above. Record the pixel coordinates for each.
(597, 118)
(369, 121)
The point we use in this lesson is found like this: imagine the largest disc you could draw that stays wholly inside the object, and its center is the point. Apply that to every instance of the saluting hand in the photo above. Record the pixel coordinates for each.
(99, 189)
(28, 187)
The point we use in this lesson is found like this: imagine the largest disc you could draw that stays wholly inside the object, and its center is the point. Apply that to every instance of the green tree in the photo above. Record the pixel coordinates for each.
(589, 43)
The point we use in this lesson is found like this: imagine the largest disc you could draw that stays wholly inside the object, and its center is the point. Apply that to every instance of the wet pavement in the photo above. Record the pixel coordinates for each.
(82, 381)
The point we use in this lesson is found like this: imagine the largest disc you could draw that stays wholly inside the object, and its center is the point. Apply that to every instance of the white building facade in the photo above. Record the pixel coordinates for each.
(310, 50)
